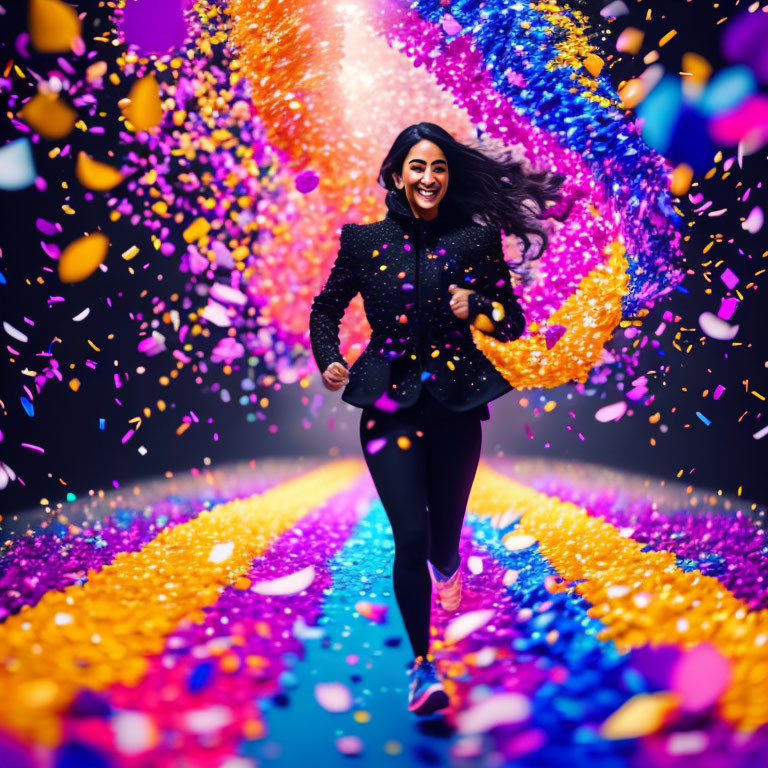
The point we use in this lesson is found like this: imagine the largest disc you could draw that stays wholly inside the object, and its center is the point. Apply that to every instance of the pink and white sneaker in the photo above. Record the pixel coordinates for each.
(448, 587)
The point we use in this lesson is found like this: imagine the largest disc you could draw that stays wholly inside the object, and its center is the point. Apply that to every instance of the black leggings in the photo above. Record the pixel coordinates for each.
(423, 474)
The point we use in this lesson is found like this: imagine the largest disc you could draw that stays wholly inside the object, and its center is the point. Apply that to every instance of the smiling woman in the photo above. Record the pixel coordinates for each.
(425, 178)
(429, 273)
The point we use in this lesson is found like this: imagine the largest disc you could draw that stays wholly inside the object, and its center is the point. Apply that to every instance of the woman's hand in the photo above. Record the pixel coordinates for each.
(335, 377)
(459, 301)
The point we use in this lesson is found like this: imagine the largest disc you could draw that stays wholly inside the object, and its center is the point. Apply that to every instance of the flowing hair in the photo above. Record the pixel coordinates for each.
(497, 189)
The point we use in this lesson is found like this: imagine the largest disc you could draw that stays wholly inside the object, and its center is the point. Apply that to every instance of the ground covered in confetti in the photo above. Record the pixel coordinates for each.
(245, 617)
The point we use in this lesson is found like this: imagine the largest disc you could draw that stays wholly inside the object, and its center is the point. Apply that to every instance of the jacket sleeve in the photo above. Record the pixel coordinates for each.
(329, 305)
(506, 317)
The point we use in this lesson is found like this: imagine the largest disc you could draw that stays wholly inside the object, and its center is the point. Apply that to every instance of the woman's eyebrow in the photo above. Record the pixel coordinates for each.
(416, 160)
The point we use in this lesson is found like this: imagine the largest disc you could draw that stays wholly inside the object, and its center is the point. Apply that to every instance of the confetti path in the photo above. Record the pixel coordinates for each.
(277, 610)
(69, 552)
(175, 576)
(688, 607)
(731, 547)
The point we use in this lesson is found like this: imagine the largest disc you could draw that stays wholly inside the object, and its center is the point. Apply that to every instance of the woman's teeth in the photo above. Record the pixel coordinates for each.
(428, 195)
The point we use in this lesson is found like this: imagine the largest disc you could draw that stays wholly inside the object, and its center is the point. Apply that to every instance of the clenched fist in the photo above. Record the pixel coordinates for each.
(459, 301)
(335, 377)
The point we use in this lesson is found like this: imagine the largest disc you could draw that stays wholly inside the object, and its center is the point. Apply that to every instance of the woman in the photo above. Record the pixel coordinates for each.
(433, 266)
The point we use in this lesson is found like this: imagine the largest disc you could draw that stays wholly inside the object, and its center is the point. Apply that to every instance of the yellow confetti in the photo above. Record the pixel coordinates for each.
(642, 715)
(197, 229)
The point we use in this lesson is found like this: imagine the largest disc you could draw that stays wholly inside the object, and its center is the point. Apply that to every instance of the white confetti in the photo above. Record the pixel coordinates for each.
(14, 333)
(616, 9)
(475, 564)
(210, 720)
(506, 518)
(510, 577)
(82, 315)
(134, 732)
(501, 709)
(17, 165)
(716, 328)
(6, 475)
(514, 542)
(221, 552)
(333, 697)
(302, 631)
(286, 585)
(227, 295)
(466, 624)
(754, 222)
(217, 314)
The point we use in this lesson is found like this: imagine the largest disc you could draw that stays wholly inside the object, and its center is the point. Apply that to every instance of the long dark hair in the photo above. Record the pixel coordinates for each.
(497, 189)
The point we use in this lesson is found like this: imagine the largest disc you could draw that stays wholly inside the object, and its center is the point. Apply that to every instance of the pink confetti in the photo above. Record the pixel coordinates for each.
(727, 308)
(729, 278)
(612, 412)
(700, 676)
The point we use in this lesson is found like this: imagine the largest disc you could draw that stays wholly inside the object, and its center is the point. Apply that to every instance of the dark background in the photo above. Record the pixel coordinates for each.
(80, 457)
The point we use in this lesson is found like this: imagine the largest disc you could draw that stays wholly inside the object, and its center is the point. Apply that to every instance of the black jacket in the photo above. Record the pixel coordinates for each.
(403, 266)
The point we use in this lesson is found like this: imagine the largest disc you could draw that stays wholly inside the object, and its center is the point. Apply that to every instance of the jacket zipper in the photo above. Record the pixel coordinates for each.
(417, 248)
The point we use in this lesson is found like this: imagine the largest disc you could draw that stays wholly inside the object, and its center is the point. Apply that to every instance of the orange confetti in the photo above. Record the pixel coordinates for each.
(698, 67)
(82, 257)
(53, 25)
(664, 40)
(593, 64)
(95, 175)
(681, 179)
(632, 93)
(49, 116)
(630, 41)
(483, 323)
(145, 109)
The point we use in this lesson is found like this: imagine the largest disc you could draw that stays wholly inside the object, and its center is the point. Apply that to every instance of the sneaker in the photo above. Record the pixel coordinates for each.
(426, 694)
(448, 587)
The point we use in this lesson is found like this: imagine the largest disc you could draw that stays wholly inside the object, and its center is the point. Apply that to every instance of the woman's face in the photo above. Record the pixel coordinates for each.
(424, 171)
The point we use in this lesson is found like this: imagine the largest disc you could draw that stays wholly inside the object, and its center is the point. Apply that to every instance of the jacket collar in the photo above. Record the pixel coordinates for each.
(401, 211)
